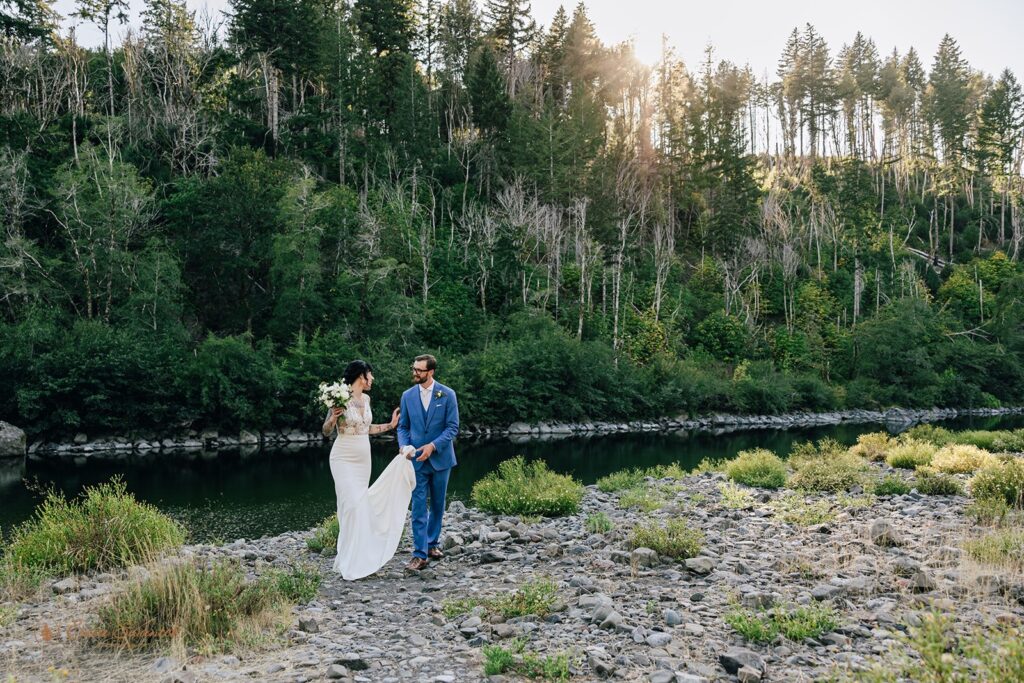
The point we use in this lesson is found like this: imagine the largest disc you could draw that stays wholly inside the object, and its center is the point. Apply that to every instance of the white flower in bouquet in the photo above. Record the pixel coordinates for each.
(335, 394)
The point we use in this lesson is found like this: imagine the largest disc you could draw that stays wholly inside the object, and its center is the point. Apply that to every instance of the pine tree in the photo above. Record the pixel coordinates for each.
(27, 19)
(511, 25)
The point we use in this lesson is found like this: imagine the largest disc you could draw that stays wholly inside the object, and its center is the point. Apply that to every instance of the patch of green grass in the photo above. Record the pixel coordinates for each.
(937, 484)
(874, 446)
(935, 653)
(939, 436)
(845, 500)
(499, 660)
(796, 510)
(962, 459)
(212, 608)
(105, 528)
(299, 584)
(632, 478)
(758, 467)
(598, 523)
(910, 454)
(990, 511)
(325, 537)
(831, 474)
(7, 615)
(535, 597)
(521, 488)
(674, 539)
(707, 465)
(1001, 548)
(795, 623)
(1003, 481)
(809, 452)
(734, 497)
(649, 497)
(891, 485)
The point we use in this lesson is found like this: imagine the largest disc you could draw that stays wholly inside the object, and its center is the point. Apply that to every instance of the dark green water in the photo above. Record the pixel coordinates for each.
(229, 496)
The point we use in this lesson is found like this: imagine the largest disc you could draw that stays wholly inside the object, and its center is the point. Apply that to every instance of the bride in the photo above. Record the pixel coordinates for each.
(370, 518)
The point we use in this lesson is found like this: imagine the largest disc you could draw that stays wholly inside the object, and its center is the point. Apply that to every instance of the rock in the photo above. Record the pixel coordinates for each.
(181, 677)
(758, 600)
(736, 658)
(164, 665)
(309, 625)
(352, 661)
(827, 591)
(503, 631)
(672, 617)
(922, 583)
(335, 671)
(612, 621)
(248, 438)
(748, 674)
(600, 664)
(490, 557)
(643, 557)
(659, 639)
(662, 677)
(274, 668)
(68, 585)
(12, 442)
(701, 564)
(883, 534)
(81, 439)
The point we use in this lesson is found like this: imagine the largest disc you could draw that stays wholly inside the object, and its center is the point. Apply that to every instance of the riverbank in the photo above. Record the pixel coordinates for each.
(880, 565)
(83, 447)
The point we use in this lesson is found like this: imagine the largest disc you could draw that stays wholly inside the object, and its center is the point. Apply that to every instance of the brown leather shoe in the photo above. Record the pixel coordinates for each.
(435, 554)
(416, 564)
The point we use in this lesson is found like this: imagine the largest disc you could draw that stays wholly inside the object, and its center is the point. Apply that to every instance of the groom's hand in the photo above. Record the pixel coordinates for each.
(426, 452)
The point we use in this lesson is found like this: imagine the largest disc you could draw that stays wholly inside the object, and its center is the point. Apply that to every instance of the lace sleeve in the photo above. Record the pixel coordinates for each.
(327, 431)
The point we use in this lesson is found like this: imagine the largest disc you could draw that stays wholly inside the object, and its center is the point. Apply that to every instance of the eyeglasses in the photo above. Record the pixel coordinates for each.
(420, 370)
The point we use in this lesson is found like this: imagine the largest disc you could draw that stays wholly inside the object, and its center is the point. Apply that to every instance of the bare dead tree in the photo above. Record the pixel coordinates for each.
(633, 196)
(587, 253)
(520, 211)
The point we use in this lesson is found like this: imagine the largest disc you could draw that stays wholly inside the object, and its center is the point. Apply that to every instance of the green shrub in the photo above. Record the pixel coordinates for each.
(1004, 481)
(325, 537)
(961, 459)
(521, 488)
(936, 652)
(795, 509)
(796, 623)
(984, 439)
(106, 528)
(838, 473)
(598, 523)
(937, 436)
(1003, 548)
(910, 454)
(499, 660)
(891, 485)
(631, 478)
(535, 597)
(937, 484)
(299, 584)
(675, 539)
(734, 497)
(758, 467)
(874, 446)
(989, 511)
(212, 608)
(809, 452)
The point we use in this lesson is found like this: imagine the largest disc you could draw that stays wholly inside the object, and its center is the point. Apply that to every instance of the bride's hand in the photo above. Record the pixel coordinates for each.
(336, 413)
(394, 417)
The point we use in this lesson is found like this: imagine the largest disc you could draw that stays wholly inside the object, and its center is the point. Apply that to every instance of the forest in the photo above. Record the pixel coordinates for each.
(203, 218)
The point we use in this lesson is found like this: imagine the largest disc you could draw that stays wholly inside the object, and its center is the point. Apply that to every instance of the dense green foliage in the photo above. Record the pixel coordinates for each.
(521, 488)
(199, 226)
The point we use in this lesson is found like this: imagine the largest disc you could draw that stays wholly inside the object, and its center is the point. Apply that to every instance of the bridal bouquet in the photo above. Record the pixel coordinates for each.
(335, 395)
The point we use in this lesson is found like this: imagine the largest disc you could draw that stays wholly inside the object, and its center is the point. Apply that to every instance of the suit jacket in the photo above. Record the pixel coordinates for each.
(439, 425)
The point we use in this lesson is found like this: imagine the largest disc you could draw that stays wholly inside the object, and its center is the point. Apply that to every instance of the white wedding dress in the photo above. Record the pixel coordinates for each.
(371, 518)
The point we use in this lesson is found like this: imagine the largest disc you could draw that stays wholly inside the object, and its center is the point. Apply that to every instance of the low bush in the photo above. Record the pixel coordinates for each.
(598, 523)
(758, 467)
(910, 454)
(931, 483)
(325, 537)
(1002, 548)
(837, 473)
(961, 459)
(1004, 481)
(796, 623)
(891, 485)
(521, 488)
(874, 446)
(675, 538)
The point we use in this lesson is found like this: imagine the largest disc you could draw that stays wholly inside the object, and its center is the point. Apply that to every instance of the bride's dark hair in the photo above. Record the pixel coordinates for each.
(355, 370)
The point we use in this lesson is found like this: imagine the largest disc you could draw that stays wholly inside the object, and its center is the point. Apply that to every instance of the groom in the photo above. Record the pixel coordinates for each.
(428, 424)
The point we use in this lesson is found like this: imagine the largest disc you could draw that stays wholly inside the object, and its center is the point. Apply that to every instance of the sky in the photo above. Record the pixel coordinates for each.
(990, 32)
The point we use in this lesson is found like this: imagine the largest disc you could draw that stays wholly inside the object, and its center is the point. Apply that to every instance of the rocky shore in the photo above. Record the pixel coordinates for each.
(83, 447)
(620, 613)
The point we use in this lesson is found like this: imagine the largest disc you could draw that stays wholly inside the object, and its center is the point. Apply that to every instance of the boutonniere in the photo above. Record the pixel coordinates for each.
(438, 394)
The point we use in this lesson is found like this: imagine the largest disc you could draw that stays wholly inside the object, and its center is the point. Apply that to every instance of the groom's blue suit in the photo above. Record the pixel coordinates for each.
(438, 424)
